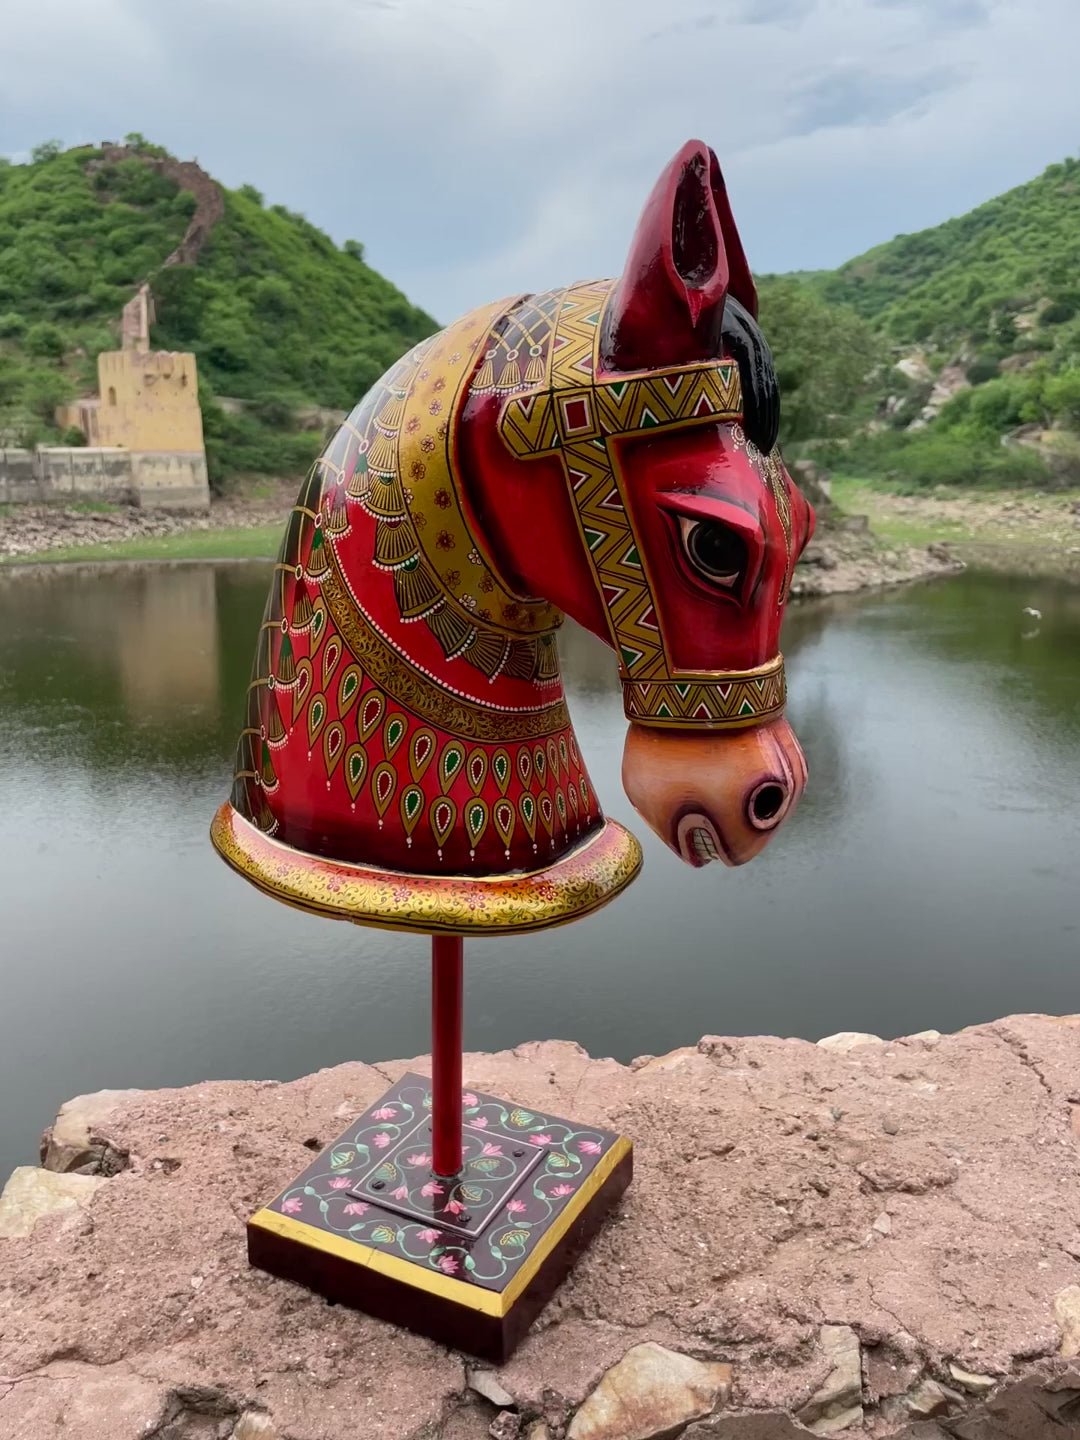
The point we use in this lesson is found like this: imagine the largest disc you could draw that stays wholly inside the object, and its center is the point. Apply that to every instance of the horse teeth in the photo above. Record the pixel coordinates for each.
(702, 841)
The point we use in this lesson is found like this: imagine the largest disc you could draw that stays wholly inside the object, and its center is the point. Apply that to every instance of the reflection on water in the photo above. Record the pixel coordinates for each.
(927, 879)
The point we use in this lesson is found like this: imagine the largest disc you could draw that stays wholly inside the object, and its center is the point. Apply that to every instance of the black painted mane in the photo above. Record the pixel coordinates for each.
(744, 342)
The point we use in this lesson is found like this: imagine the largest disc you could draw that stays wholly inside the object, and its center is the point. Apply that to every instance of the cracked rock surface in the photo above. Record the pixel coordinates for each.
(882, 1240)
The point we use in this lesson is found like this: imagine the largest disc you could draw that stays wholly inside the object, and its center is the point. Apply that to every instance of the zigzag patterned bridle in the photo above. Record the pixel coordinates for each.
(576, 417)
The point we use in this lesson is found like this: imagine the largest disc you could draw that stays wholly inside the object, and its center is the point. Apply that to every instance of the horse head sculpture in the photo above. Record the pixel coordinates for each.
(607, 451)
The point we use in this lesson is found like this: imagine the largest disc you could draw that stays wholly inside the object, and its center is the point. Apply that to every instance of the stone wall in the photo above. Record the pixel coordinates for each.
(53, 474)
(170, 481)
(209, 197)
(19, 483)
(865, 1238)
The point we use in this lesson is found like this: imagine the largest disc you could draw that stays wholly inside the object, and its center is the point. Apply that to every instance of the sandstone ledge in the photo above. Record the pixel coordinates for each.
(869, 1238)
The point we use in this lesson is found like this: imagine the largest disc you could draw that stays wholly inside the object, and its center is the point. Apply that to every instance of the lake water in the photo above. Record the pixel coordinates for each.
(931, 876)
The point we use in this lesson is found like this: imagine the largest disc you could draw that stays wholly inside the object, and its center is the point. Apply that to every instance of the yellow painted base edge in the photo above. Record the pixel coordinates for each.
(577, 884)
(574, 1209)
(432, 1282)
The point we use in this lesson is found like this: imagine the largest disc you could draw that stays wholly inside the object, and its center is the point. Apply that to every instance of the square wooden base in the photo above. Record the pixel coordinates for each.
(469, 1261)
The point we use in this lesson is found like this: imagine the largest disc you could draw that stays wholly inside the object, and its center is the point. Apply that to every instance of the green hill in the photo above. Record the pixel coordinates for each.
(283, 322)
(983, 314)
(276, 313)
(957, 282)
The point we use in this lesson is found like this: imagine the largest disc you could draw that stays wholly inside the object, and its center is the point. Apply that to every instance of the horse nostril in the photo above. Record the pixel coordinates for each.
(766, 804)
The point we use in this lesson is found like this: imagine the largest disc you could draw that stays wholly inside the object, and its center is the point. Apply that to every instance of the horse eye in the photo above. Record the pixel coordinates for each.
(714, 550)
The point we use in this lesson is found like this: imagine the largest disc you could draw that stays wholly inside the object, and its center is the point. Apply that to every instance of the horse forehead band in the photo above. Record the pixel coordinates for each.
(574, 419)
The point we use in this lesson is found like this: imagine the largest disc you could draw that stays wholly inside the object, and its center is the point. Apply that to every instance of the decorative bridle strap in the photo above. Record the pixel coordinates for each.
(575, 416)
(724, 700)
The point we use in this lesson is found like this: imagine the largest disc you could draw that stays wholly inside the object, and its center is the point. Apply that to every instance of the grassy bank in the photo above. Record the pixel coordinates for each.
(1023, 518)
(232, 543)
(1005, 517)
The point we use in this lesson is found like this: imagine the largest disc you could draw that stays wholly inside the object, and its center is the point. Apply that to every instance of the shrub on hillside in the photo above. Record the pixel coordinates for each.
(244, 444)
(273, 299)
(1062, 395)
(135, 140)
(983, 368)
(1003, 329)
(226, 343)
(44, 341)
(922, 459)
(42, 391)
(1035, 396)
(1060, 310)
(275, 411)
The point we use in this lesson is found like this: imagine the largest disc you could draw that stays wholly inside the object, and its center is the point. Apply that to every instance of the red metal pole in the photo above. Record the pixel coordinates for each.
(446, 1039)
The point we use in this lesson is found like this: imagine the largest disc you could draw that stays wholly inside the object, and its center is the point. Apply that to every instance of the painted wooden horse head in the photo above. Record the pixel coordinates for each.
(609, 451)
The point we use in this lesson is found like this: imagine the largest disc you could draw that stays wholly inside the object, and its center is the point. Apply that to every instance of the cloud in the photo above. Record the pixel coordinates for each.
(845, 96)
(695, 23)
(775, 12)
(480, 148)
(945, 13)
(751, 12)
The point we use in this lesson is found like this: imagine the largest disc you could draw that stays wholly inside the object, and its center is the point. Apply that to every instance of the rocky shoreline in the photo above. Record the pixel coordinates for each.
(842, 558)
(30, 530)
(1034, 536)
(858, 1237)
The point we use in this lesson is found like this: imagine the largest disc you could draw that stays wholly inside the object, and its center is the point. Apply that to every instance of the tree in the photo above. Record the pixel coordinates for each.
(44, 341)
(44, 391)
(1063, 396)
(138, 142)
(825, 358)
(1003, 329)
(47, 150)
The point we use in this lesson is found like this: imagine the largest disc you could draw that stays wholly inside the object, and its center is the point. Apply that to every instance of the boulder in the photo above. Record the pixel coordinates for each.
(845, 1040)
(1067, 1315)
(814, 483)
(915, 368)
(30, 1194)
(650, 1394)
(77, 1139)
(949, 382)
(837, 1403)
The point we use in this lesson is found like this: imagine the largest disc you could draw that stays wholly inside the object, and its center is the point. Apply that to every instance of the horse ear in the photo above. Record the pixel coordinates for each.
(740, 281)
(668, 307)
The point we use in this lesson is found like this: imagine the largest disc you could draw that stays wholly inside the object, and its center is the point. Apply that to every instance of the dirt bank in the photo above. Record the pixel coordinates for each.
(845, 556)
(993, 517)
(870, 538)
(28, 530)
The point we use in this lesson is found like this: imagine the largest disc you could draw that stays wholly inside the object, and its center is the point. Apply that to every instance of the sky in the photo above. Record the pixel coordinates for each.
(483, 147)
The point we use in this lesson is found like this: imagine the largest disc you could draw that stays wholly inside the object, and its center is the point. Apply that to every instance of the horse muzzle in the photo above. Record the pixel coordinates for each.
(714, 795)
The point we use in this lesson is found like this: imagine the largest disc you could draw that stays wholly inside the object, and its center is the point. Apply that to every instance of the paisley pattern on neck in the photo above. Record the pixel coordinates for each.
(363, 747)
